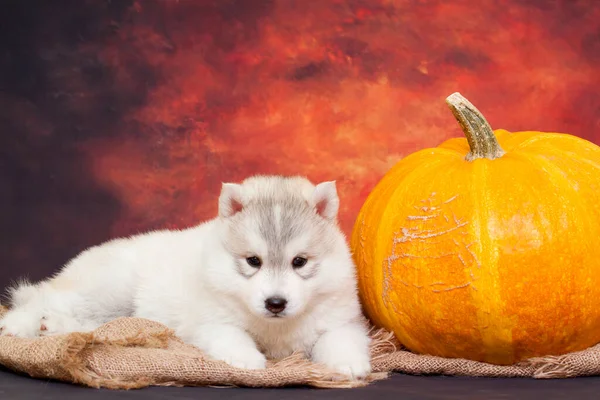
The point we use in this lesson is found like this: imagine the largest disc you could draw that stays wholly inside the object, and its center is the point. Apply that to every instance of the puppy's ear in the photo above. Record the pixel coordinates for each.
(230, 200)
(325, 200)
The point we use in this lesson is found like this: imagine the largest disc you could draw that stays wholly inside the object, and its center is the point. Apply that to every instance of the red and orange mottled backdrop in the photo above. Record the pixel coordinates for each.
(121, 116)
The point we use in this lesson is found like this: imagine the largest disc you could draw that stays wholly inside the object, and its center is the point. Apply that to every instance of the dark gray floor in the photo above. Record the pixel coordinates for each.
(398, 387)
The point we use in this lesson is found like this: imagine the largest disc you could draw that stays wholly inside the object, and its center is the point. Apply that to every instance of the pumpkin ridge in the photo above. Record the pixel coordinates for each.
(557, 171)
(385, 256)
(576, 205)
(368, 251)
(437, 151)
(575, 156)
(551, 168)
(539, 137)
(582, 160)
(372, 212)
(490, 316)
(510, 141)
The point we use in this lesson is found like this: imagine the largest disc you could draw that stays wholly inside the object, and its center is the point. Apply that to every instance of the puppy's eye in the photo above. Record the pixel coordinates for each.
(254, 261)
(299, 262)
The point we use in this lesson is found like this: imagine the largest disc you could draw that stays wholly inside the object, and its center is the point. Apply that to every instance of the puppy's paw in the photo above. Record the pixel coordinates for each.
(248, 358)
(20, 323)
(56, 324)
(349, 362)
(354, 370)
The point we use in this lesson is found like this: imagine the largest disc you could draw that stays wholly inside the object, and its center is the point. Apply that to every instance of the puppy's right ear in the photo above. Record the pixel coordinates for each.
(230, 200)
(325, 200)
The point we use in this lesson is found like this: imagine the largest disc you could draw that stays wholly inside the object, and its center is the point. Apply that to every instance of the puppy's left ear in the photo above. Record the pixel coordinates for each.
(230, 200)
(325, 200)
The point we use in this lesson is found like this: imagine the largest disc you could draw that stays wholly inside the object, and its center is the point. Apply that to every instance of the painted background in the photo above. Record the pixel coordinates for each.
(122, 116)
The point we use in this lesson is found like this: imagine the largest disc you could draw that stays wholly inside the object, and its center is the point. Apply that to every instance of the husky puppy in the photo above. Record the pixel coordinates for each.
(270, 275)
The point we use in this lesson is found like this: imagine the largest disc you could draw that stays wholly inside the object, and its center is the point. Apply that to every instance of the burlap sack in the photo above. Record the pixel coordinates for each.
(132, 353)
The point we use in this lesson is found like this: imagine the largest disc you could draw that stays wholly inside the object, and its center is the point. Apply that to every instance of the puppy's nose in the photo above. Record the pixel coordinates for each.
(275, 304)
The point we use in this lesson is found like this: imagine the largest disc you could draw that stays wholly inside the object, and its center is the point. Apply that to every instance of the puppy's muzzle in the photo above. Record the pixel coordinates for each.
(275, 304)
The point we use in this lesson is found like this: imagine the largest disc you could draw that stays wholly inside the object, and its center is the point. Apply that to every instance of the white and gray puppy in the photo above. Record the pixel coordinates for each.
(272, 274)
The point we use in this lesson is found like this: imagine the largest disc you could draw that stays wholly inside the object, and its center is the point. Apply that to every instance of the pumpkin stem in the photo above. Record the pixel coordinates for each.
(479, 133)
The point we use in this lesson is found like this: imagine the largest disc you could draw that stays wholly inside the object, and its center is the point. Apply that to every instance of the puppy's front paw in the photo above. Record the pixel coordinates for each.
(350, 362)
(354, 369)
(248, 358)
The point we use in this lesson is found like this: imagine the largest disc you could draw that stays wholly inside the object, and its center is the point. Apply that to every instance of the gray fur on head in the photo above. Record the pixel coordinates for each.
(274, 212)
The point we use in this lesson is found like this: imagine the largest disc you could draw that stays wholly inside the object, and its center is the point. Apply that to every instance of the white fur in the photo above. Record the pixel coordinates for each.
(197, 282)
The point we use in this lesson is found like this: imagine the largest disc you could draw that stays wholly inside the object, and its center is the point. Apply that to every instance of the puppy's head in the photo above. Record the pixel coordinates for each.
(281, 233)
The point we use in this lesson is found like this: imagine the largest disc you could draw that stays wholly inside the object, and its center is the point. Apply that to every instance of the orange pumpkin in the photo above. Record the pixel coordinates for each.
(485, 248)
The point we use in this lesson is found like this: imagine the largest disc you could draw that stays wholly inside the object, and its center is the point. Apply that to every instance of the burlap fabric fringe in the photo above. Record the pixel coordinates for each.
(131, 353)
